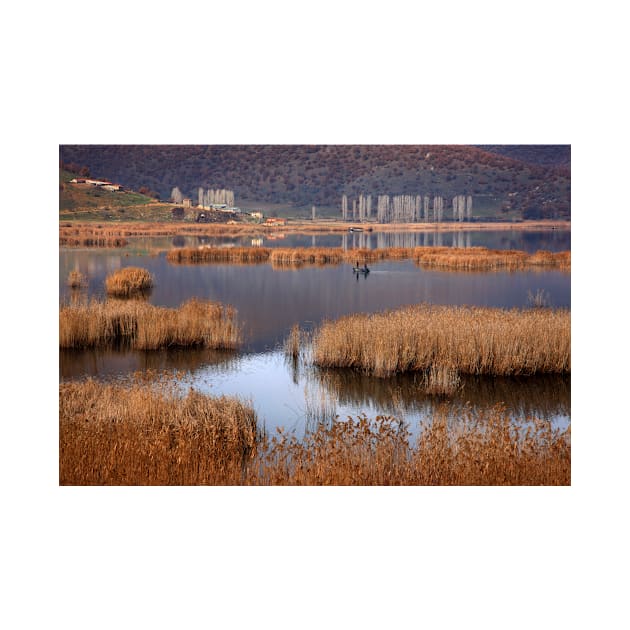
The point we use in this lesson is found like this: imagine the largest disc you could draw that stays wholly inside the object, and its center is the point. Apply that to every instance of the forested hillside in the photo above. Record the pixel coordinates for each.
(541, 154)
(504, 181)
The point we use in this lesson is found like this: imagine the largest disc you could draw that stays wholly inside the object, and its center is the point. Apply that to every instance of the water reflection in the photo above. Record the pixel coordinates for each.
(110, 362)
(270, 302)
(291, 394)
(544, 396)
(525, 240)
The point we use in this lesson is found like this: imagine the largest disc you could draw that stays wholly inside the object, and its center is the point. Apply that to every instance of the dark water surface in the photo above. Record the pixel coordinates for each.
(553, 240)
(270, 302)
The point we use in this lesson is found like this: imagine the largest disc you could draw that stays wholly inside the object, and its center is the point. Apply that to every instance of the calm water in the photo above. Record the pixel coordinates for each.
(529, 241)
(270, 302)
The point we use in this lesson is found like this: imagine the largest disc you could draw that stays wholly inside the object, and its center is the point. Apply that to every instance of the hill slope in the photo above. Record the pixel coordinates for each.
(540, 154)
(300, 175)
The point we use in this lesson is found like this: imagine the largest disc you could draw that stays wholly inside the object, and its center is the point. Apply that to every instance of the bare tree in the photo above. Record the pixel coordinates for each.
(176, 195)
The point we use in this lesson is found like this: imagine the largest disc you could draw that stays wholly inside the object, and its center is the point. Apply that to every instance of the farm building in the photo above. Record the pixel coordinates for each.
(101, 183)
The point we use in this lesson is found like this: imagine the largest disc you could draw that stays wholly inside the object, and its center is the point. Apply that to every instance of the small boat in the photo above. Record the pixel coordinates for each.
(363, 269)
(355, 229)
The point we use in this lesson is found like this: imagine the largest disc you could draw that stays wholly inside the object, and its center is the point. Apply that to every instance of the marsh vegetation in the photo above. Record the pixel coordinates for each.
(468, 259)
(392, 376)
(141, 435)
(469, 340)
(128, 281)
(142, 326)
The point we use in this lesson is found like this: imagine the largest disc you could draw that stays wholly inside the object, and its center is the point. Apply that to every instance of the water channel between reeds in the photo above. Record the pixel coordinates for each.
(269, 302)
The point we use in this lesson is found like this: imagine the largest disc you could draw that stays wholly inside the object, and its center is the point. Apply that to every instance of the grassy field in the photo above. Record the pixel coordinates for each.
(74, 198)
(139, 435)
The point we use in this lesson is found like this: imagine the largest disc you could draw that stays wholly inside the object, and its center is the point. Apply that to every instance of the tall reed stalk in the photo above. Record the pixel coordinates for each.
(139, 435)
(143, 326)
(116, 435)
(293, 342)
(486, 448)
(469, 340)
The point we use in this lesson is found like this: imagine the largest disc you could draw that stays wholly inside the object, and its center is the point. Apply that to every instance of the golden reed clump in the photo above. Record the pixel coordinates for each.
(143, 326)
(244, 255)
(483, 259)
(469, 340)
(447, 258)
(128, 281)
(116, 435)
(137, 435)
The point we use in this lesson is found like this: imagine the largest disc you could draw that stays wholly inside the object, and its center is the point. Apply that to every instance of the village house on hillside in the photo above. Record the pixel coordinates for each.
(101, 183)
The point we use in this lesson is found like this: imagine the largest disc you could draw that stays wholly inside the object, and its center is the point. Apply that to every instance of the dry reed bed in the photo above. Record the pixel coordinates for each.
(116, 435)
(469, 340)
(481, 448)
(481, 258)
(142, 326)
(245, 255)
(128, 281)
(92, 241)
(140, 228)
(473, 258)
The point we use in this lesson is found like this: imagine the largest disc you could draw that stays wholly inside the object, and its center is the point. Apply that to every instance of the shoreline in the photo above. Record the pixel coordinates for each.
(146, 228)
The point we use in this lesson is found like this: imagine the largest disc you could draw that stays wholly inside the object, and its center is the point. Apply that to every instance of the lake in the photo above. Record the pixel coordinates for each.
(271, 301)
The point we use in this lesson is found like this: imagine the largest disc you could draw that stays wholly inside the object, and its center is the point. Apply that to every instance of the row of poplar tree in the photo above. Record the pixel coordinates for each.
(207, 198)
(405, 208)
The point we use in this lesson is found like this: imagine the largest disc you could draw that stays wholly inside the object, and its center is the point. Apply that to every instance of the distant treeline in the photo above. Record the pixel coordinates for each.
(406, 208)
